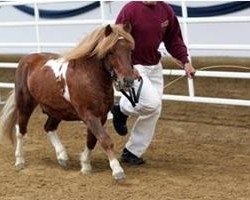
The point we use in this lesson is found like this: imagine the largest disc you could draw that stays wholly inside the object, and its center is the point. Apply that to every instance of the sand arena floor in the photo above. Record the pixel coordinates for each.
(199, 152)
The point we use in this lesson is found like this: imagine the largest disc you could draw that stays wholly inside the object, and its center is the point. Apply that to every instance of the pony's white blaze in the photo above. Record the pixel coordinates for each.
(59, 67)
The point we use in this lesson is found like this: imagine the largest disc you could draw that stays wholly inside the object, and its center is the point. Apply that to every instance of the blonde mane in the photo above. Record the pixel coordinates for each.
(96, 43)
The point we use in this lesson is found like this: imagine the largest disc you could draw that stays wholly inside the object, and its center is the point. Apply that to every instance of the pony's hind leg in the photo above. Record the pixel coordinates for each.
(51, 127)
(19, 150)
(25, 105)
(85, 156)
(23, 116)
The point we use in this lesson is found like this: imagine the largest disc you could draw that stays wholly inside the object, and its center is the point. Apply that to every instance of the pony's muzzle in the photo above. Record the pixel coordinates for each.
(124, 83)
(128, 82)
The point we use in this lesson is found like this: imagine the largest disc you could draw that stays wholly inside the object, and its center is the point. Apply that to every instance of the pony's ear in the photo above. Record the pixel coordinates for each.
(127, 27)
(108, 30)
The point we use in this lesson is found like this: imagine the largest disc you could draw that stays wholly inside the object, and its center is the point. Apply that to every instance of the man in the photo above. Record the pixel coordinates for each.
(152, 22)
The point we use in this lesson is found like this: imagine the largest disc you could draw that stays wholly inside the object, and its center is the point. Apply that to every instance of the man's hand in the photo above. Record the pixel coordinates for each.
(136, 74)
(190, 71)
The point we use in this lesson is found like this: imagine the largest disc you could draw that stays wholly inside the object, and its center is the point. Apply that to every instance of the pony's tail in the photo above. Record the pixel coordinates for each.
(8, 119)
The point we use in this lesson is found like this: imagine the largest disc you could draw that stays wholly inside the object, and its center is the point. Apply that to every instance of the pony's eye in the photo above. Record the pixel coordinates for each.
(111, 53)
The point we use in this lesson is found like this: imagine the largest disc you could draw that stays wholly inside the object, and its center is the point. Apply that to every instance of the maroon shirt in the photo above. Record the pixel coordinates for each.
(151, 25)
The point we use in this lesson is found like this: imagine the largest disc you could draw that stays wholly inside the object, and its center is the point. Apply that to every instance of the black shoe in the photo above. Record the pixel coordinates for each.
(128, 157)
(119, 120)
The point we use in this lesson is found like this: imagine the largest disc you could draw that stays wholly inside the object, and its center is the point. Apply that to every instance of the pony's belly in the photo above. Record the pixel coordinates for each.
(67, 113)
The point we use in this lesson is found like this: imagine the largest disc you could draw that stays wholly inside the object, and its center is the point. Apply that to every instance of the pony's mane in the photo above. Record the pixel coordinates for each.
(96, 43)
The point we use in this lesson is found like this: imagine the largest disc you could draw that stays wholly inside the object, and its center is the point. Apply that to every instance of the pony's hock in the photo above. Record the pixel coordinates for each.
(75, 86)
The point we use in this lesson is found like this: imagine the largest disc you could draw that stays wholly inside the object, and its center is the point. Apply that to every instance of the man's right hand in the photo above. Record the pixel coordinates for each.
(190, 71)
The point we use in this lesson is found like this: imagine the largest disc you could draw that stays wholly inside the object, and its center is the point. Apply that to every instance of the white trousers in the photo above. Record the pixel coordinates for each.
(148, 108)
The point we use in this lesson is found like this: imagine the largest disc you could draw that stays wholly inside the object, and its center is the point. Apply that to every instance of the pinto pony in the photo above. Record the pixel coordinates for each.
(74, 86)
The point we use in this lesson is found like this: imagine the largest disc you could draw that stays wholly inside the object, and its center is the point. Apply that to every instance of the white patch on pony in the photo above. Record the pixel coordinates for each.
(59, 148)
(55, 65)
(66, 89)
(19, 149)
(59, 67)
(120, 38)
(85, 161)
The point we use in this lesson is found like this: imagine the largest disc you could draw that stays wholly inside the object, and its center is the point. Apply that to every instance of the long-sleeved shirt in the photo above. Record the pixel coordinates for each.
(151, 25)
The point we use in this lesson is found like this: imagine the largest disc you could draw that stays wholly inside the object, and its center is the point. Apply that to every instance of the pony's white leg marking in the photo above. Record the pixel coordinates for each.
(61, 154)
(117, 171)
(85, 161)
(19, 149)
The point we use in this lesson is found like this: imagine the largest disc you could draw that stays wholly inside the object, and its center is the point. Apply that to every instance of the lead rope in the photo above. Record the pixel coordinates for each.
(202, 69)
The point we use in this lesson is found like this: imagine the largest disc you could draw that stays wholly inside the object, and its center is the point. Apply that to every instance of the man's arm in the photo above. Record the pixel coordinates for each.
(173, 40)
(175, 45)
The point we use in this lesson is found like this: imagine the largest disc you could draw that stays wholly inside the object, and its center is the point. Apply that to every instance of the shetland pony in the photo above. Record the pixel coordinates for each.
(74, 86)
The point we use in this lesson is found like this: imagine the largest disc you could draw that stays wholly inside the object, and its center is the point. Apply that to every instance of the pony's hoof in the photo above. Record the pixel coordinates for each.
(86, 172)
(119, 177)
(86, 169)
(63, 163)
(20, 166)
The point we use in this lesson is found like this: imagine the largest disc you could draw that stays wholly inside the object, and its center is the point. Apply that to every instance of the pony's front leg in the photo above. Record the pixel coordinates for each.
(95, 126)
(50, 127)
(85, 156)
(61, 153)
(85, 161)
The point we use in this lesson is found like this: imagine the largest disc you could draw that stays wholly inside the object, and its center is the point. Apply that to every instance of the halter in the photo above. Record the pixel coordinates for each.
(131, 95)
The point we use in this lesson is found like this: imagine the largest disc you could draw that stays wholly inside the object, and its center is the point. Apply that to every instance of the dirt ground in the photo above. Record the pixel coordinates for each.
(199, 151)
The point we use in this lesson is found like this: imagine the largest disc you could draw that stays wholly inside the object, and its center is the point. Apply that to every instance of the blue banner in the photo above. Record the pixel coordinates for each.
(215, 10)
(55, 14)
(206, 11)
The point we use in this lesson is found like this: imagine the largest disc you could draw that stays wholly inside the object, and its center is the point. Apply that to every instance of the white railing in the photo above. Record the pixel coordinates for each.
(185, 20)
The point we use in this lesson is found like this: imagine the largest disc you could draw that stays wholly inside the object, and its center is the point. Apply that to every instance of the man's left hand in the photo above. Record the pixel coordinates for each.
(136, 74)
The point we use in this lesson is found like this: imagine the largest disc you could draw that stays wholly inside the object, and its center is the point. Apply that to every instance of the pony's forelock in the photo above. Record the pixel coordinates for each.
(108, 42)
